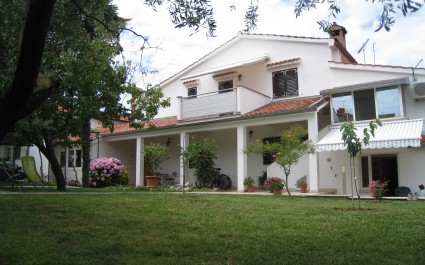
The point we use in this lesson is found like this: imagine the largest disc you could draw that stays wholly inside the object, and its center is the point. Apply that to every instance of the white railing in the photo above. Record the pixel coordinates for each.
(209, 104)
(221, 103)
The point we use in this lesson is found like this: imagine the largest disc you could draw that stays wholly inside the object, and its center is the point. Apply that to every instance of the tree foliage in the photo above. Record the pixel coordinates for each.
(287, 151)
(355, 144)
(201, 156)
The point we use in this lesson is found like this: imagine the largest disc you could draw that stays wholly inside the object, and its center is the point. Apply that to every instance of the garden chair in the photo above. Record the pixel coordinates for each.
(9, 174)
(402, 191)
(28, 165)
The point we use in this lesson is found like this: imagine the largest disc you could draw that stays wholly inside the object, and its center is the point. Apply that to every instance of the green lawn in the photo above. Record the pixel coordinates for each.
(169, 228)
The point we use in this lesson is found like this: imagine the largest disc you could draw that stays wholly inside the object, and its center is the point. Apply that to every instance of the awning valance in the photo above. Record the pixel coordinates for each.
(393, 134)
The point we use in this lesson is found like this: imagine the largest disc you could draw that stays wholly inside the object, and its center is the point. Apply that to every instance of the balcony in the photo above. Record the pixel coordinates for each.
(220, 104)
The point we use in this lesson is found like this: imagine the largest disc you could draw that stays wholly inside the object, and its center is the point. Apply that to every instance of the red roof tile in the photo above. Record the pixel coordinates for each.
(123, 128)
(289, 61)
(290, 105)
(224, 74)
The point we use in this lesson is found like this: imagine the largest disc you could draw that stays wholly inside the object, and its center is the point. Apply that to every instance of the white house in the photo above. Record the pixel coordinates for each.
(257, 85)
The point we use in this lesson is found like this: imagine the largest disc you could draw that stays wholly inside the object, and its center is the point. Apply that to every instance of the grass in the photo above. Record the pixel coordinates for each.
(169, 228)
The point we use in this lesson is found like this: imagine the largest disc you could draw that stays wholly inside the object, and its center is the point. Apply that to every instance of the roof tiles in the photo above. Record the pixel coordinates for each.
(290, 105)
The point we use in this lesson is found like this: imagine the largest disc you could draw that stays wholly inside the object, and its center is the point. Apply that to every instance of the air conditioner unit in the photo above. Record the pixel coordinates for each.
(419, 90)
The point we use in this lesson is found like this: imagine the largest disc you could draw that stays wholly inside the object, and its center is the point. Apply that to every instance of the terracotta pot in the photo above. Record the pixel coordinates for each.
(303, 189)
(152, 181)
(277, 191)
(250, 188)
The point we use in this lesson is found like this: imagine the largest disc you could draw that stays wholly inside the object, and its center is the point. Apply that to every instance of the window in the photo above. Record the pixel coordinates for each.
(364, 103)
(388, 102)
(367, 104)
(192, 92)
(225, 86)
(75, 158)
(285, 83)
(342, 107)
(268, 158)
(62, 159)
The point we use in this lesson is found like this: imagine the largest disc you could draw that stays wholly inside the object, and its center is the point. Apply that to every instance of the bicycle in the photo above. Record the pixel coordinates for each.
(219, 180)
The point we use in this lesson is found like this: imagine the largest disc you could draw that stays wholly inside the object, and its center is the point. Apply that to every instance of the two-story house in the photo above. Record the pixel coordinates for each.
(255, 86)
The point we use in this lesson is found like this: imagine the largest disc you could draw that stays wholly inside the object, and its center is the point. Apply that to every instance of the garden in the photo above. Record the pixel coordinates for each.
(130, 227)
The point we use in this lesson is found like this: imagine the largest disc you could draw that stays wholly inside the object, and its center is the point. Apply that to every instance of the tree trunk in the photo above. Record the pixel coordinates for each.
(20, 98)
(49, 152)
(85, 137)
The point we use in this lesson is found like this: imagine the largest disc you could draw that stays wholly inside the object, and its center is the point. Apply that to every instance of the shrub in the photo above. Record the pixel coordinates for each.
(106, 172)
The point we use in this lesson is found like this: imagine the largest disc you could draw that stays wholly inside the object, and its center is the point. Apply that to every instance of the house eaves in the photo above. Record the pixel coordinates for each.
(368, 85)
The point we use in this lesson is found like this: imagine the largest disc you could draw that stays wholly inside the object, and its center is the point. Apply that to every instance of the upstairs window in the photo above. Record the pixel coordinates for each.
(285, 83)
(368, 104)
(192, 92)
(224, 86)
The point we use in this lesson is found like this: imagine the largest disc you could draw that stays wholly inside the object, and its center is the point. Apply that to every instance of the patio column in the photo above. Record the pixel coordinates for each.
(140, 143)
(313, 177)
(184, 142)
(242, 166)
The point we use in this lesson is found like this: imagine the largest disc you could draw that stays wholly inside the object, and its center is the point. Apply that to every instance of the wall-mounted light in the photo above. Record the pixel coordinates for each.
(239, 77)
(250, 133)
(168, 142)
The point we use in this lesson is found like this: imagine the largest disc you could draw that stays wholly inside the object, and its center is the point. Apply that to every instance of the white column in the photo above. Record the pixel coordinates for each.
(242, 166)
(140, 142)
(313, 177)
(184, 142)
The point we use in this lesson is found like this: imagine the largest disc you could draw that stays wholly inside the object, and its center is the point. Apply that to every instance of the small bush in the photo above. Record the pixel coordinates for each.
(106, 172)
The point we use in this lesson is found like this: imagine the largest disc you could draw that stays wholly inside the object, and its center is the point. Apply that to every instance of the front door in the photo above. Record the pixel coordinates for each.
(384, 167)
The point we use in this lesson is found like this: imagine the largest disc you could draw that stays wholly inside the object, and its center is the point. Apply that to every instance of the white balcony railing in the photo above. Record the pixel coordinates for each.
(221, 103)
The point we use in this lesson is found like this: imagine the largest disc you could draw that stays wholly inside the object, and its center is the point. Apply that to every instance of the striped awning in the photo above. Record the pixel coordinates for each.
(393, 134)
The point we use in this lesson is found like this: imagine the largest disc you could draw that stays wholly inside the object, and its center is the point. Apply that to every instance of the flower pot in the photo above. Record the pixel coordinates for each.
(152, 181)
(303, 189)
(250, 188)
(277, 191)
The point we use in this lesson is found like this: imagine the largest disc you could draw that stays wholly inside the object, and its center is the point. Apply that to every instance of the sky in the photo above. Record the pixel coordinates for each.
(174, 49)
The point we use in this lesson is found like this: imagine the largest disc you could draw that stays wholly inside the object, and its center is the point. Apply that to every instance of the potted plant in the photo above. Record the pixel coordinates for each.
(378, 188)
(275, 185)
(421, 190)
(303, 187)
(155, 154)
(249, 183)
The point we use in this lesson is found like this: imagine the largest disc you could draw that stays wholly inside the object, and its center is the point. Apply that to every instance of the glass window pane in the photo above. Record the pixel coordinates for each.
(364, 102)
(365, 172)
(62, 159)
(225, 86)
(342, 108)
(71, 158)
(388, 102)
(78, 158)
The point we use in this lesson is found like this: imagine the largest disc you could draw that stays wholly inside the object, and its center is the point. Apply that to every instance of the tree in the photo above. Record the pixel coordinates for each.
(287, 151)
(201, 156)
(354, 145)
(95, 94)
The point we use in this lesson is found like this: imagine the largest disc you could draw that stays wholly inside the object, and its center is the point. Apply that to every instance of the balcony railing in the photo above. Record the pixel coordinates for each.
(221, 103)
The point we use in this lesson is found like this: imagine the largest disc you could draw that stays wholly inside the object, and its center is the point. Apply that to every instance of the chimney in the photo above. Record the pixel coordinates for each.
(338, 32)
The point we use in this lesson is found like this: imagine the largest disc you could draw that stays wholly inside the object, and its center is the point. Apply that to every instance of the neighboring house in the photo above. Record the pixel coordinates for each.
(256, 85)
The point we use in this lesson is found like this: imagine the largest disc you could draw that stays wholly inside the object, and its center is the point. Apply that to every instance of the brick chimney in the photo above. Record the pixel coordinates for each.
(338, 32)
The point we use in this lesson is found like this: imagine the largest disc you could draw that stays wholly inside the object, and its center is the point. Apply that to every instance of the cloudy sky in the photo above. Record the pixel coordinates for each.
(175, 48)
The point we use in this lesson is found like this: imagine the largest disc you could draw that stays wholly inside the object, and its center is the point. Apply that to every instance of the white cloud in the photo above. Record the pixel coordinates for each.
(177, 48)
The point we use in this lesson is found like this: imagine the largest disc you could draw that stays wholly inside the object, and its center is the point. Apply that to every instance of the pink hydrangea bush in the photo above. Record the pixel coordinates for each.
(105, 171)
